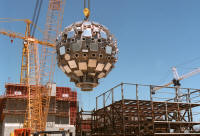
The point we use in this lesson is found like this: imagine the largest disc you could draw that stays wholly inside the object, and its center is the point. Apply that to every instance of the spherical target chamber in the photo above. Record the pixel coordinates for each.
(86, 52)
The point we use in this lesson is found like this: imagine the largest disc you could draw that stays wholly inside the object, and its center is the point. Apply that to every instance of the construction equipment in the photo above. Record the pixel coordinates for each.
(47, 58)
(40, 75)
(26, 49)
(30, 74)
(22, 132)
(176, 80)
(86, 10)
(30, 77)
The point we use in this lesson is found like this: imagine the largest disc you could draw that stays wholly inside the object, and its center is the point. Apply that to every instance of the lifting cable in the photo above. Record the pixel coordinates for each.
(188, 62)
(36, 15)
(88, 4)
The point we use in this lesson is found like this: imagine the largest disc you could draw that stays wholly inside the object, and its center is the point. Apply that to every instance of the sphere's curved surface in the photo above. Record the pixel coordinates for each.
(86, 52)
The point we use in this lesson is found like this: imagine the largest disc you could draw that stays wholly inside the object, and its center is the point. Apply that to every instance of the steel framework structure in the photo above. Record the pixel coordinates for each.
(83, 123)
(139, 111)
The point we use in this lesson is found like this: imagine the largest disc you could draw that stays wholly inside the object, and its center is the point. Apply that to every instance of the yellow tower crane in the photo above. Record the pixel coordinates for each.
(30, 76)
(27, 40)
(38, 75)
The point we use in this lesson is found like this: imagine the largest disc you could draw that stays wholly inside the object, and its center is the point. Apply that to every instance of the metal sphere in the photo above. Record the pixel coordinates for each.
(86, 52)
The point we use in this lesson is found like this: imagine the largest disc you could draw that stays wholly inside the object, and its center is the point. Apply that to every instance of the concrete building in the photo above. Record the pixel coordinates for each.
(62, 110)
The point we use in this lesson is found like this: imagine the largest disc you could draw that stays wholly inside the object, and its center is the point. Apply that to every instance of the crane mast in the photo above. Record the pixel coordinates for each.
(30, 78)
(25, 58)
(53, 24)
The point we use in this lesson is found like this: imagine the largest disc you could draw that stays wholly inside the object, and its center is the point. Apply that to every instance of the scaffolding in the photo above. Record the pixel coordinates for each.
(63, 103)
(137, 110)
(66, 101)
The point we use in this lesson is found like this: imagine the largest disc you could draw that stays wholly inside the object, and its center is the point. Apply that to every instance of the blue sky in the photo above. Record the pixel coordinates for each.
(152, 35)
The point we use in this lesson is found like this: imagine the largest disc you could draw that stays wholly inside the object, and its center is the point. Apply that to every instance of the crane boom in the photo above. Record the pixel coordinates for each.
(21, 36)
(194, 72)
(177, 78)
(53, 24)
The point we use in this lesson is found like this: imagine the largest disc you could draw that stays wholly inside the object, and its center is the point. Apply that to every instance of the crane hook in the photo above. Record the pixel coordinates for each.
(86, 10)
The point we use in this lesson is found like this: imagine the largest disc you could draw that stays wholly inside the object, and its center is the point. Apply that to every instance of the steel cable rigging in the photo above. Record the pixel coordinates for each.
(36, 15)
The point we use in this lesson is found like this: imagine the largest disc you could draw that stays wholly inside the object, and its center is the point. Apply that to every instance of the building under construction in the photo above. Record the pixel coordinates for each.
(138, 110)
(62, 110)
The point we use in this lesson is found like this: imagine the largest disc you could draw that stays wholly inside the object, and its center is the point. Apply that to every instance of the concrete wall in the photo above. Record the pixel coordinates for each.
(12, 122)
(54, 123)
